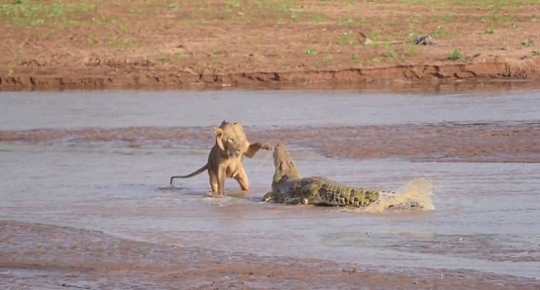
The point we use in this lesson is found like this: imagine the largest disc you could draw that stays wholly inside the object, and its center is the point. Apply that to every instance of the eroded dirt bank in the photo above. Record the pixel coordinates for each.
(136, 77)
(100, 44)
(38, 256)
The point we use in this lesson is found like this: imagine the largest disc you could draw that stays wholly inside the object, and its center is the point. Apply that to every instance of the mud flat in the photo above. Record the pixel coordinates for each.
(479, 142)
(38, 256)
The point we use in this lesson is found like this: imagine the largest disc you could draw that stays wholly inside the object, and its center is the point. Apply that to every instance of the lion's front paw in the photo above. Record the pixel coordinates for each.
(266, 146)
(215, 194)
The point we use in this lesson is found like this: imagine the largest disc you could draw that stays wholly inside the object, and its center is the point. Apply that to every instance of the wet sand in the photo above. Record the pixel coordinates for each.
(38, 256)
(473, 142)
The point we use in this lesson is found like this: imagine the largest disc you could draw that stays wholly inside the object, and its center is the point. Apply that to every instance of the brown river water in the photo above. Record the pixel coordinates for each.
(84, 186)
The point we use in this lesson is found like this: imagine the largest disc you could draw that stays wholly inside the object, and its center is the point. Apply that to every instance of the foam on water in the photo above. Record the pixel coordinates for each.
(414, 195)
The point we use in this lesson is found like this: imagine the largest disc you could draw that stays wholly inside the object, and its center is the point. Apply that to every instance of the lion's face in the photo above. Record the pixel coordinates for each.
(230, 137)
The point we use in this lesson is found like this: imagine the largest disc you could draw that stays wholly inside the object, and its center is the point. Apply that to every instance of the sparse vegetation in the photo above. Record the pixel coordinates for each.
(410, 49)
(262, 33)
(164, 57)
(27, 13)
(318, 17)
(217, 53)
(527, 42)
(346, 38)
(179, 55)
(391, 54)
(355, 58)
(169, 57)
(455, 55)
(346, 20)
(439, 33)
(329, 57)
(310, 51)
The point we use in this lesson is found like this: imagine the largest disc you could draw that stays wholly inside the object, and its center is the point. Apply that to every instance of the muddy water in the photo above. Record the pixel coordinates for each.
(485, 216)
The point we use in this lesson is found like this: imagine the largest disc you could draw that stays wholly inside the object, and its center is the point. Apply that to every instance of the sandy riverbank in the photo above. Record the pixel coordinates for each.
(103, 44)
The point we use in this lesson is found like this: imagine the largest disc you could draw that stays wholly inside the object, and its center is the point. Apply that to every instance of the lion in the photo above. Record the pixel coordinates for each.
(225, 158)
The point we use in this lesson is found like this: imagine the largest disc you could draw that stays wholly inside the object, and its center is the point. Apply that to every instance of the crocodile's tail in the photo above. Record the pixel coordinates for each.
(361, 197)
(335, 194)
(196, 172)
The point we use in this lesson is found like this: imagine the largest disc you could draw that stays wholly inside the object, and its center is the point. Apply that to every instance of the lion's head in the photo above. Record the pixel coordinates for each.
(230, 137)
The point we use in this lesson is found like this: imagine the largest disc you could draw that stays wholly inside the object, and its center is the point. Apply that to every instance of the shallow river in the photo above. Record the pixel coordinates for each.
(486, 215)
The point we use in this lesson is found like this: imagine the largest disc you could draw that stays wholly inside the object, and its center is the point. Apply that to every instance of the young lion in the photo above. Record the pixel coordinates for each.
(225, 158)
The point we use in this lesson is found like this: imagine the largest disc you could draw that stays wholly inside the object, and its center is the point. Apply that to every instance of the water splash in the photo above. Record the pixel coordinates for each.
(414, 195)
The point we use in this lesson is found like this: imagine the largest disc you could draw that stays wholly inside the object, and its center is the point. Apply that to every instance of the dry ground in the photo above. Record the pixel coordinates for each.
(94, 44)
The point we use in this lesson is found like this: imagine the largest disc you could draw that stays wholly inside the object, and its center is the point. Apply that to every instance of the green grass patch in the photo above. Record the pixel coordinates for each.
(346, 21)
(170, 57)
(347, 38)
(114, 40)
(527, 42)
(28, 13)
(494, 4)
(439, 33)
(355, 58)
(91, 39)
(410, 49)
(179, 55)
(456, 55)
(373, 35)
(217, 53)
(317, 17)
(310, 51)
(329, 57)
(392, 54)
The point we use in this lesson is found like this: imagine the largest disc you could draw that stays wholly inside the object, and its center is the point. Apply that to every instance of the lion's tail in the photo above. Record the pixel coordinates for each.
(198, 171)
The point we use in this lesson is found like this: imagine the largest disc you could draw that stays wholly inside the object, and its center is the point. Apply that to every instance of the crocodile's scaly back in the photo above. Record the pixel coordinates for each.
(323, 191)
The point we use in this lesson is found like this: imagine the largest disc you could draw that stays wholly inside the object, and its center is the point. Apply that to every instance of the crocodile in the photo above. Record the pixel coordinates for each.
(289, 187)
